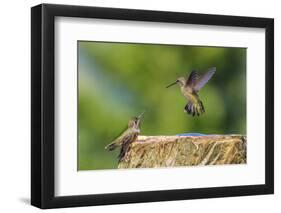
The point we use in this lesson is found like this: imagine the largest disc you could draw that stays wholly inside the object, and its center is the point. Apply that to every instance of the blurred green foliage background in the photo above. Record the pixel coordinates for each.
(120, 80)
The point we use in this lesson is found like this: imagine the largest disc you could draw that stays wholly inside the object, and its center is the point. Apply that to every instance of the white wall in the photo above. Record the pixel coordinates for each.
(15, 105)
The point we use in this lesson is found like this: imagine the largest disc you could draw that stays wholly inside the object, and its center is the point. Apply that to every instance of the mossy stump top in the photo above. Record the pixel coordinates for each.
(173, 151)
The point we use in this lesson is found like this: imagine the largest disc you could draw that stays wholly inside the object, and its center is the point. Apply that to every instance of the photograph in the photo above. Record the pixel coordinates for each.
(152, 105)
(138, 105)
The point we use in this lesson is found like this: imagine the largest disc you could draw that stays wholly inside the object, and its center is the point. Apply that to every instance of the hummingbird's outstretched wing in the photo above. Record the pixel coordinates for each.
(114, 144)
(192, 79)
(117, 142)
(204, 79)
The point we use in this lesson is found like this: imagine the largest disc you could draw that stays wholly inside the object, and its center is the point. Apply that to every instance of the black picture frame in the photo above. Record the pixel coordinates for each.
(43, 102)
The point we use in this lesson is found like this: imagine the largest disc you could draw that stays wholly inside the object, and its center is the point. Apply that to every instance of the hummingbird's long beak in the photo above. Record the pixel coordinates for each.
(171, 84)
(139, 117)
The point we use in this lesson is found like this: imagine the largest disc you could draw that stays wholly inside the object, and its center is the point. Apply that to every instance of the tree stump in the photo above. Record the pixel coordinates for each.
(173, 151)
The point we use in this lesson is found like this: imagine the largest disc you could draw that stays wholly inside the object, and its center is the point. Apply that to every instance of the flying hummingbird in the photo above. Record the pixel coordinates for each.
(127, 137)
(190, 88)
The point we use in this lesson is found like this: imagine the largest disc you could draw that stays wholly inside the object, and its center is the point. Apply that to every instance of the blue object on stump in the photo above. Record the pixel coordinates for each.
(191, 134)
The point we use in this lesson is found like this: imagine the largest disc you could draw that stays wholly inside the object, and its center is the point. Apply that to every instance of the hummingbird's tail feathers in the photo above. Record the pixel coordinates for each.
(123, 151)
(194, 108)
(111, 146)
(121, 155)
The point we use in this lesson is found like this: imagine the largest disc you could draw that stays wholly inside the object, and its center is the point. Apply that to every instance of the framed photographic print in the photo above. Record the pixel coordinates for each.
(139, 106)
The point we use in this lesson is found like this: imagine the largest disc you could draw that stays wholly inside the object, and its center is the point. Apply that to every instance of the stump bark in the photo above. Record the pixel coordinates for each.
(173, 151)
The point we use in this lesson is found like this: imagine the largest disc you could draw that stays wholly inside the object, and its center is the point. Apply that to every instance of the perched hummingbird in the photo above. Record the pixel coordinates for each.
(127, 137)
(190, 88)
